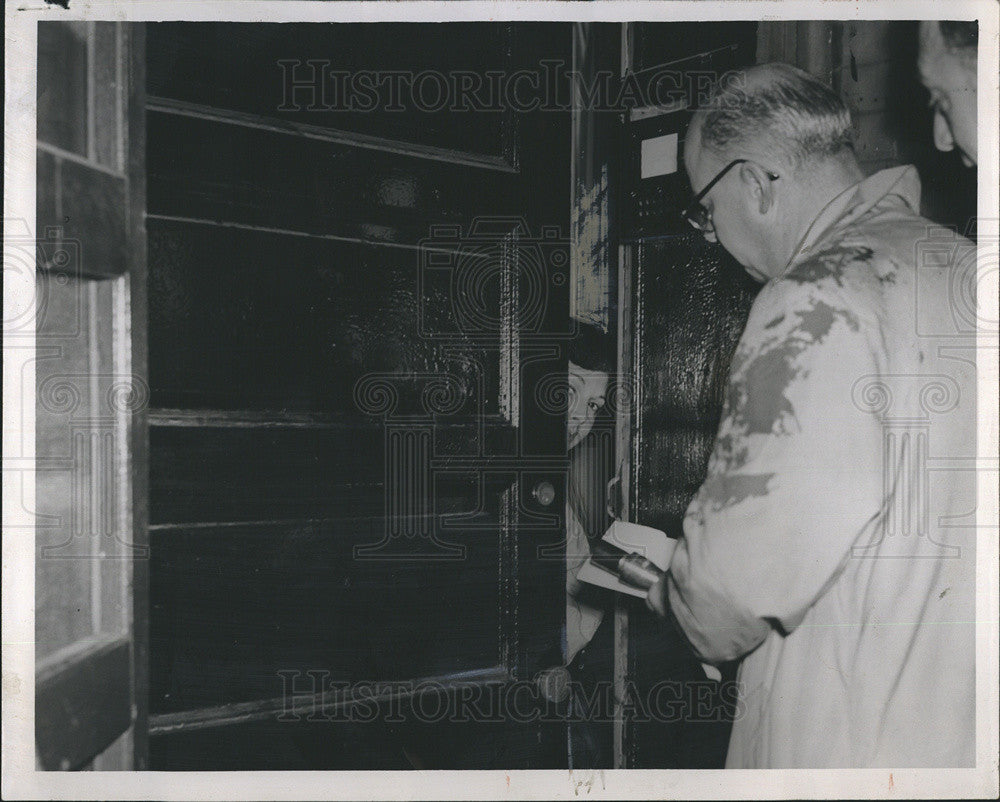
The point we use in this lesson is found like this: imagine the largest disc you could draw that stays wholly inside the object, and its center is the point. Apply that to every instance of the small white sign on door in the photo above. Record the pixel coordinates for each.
(659, 156)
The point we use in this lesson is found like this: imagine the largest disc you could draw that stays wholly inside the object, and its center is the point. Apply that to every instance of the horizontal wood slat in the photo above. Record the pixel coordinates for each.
(327, 701)
(249, 418)
(320, 133)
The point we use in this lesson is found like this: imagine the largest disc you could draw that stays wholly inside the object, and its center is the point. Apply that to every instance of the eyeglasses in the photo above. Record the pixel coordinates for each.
(696, 213)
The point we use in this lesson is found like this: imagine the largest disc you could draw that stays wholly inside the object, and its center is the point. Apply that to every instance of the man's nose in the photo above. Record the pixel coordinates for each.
(943, 140)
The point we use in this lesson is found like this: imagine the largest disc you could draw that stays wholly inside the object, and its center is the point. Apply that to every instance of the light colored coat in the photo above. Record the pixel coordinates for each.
(833, 542)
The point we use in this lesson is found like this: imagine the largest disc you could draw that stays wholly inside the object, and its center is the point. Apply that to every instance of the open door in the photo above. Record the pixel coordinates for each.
(358, 312)
(90, 523)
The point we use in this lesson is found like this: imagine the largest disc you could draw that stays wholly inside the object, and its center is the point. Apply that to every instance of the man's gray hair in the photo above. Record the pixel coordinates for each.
(776, 108)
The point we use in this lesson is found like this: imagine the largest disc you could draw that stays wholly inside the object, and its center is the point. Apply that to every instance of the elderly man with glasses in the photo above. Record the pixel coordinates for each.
(832, 545)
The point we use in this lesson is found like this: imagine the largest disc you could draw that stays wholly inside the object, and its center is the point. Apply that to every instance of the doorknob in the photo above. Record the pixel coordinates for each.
(544, 493)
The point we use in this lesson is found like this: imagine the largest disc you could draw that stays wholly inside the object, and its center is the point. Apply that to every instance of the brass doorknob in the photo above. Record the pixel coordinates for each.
(544, 493)
(554, 684)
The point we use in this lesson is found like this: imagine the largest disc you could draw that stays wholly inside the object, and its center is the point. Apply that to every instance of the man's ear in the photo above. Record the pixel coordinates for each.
(757, 181)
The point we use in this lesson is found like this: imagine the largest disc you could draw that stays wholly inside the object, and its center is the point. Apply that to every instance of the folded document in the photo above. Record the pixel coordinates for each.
(652, 544)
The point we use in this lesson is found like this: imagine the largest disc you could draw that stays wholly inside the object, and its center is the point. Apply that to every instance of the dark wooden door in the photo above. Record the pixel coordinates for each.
(684, 302)
(356, 441)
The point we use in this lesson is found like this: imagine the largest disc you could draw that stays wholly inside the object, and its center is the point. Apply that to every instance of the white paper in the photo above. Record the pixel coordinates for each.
(659, 156)
(651, 543)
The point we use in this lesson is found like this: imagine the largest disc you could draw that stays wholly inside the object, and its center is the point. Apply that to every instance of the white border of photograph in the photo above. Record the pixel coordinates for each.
(20, 780)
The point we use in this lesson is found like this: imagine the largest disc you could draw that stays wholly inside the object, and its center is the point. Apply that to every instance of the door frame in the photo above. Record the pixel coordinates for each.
(91, 696)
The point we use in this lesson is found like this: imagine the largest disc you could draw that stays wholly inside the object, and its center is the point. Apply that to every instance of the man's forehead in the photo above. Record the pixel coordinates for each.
(938, 67)
(930, 52)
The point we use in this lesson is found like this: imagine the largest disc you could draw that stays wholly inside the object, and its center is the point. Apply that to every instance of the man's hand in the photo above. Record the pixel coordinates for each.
(656, 597)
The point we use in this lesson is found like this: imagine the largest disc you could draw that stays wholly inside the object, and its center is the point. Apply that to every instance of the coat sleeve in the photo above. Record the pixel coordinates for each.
(794, 480)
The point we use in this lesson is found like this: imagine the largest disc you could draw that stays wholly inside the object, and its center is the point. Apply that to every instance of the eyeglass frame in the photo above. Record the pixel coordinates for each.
(695, 203)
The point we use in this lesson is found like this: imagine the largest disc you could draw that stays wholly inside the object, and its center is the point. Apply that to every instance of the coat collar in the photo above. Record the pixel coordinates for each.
(901, 182)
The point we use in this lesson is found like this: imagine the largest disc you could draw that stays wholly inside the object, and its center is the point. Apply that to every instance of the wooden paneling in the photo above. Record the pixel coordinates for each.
(230, 474)
(245, 474)
(304, 521)
(62, 85)
(108, 79)
(135, 334)
(686, 303)
(253, 320)
(312, 698)
(213, 170)
(690, 317)
(90, 394)
(80, 707)
(236, 67)
(234, 606)
(93, 214)
(668, 42)
(386, 739)
(46, 215)
(694, 312)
